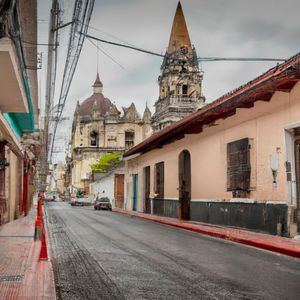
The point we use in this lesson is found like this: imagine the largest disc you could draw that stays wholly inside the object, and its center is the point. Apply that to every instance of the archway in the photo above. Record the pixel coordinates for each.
(184, 172)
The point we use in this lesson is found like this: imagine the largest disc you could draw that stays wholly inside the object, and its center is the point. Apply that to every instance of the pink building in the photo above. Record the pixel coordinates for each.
(234, 162)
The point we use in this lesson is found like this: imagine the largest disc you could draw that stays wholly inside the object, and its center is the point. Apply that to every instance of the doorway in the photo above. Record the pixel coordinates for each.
(135, 191)
(297, 167)
(147, 205)
(119, 190)
(3, 207)
(184, 184)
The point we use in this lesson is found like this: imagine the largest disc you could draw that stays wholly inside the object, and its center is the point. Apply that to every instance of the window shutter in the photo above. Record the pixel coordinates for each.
(160, 180)
(238, 165)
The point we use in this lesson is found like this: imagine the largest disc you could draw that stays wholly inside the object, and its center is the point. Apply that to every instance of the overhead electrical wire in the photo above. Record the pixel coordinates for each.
(73, 56)
(203, 59)
(106, 54)
(39, 44)
(81, 15)
(111, 35)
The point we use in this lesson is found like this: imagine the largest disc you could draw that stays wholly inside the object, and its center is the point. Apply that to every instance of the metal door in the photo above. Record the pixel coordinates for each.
(184, 184)
(297, 166)
(135, 191)
(119, 190)
(147, 205)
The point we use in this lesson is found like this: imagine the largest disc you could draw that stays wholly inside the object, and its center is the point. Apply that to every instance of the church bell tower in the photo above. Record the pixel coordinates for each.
(180, 92)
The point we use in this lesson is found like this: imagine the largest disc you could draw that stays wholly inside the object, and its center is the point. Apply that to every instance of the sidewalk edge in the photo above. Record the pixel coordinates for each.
(189, 227)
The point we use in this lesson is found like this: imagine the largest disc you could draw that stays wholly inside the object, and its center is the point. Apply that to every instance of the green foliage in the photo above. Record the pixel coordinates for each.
(106, 162)
(80, 194)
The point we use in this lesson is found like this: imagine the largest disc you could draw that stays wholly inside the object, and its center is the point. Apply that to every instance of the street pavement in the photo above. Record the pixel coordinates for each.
(22, 275)
(105, 255)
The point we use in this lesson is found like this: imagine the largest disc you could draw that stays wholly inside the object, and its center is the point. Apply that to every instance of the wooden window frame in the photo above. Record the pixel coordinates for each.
(239, 167)
(128, 141)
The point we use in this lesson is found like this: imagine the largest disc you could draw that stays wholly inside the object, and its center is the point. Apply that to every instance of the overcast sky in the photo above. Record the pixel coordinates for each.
(218, 28)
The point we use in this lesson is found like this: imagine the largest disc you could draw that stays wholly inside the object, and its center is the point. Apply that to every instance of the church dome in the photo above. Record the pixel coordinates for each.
(103, 105)
(97, 100)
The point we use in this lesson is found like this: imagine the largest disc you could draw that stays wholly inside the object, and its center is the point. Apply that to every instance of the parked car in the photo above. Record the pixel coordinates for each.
(84, 201)
(102, 203)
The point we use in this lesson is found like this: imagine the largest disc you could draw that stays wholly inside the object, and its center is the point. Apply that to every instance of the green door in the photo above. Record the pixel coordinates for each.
(135, 191)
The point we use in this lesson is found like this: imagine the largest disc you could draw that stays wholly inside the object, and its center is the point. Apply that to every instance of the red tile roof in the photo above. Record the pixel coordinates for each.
(279, 78)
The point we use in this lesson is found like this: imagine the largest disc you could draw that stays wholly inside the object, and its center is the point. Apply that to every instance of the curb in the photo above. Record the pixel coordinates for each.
(250, 242)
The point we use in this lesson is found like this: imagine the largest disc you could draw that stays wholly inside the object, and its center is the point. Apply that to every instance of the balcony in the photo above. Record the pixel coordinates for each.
(13, 95)
(181, 99)
(18, 74)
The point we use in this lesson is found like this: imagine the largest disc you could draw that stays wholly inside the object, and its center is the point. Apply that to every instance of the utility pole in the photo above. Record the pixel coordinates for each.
(50, 84)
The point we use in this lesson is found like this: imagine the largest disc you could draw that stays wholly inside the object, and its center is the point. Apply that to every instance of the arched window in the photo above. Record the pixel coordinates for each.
(94, 139)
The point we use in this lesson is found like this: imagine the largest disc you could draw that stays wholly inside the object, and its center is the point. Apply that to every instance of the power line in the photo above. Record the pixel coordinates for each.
(207, 59)
(39, 44)
(203, 59)
(81, 15)
(122, 45)
(111, 35)
(106, 54)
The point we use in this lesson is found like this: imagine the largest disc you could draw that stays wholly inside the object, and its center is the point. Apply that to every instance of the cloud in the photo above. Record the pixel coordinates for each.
(220, 28)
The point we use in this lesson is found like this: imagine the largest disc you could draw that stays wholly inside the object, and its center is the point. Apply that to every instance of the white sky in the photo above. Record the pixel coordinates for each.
(220, 28)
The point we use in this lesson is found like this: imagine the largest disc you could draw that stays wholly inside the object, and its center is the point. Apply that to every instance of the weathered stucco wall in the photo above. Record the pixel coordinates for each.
(111, 139)
(263, 124)
(14, 185)
(105, 187)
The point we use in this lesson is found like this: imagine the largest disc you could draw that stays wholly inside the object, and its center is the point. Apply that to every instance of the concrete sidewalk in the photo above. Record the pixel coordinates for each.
(264, 241)
(22, 275)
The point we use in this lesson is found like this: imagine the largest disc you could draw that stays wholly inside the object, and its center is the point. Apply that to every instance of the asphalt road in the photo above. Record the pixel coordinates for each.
(105, 255)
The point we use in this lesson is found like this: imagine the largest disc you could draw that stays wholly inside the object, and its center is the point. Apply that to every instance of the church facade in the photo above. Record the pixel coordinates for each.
(100, 128)
(180, 92)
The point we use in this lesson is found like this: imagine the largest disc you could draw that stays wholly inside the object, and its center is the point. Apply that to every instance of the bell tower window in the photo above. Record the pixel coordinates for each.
(185, 89)
(94, 138)
(129, 139)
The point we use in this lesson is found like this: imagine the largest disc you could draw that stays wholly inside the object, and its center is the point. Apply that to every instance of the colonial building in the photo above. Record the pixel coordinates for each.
(18, 107)
(99, 128)
(180, 92)
(234, 162)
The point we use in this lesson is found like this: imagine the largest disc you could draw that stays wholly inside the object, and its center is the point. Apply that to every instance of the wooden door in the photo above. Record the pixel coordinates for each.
(119, 190)
(147, 205)
(135, 191)
(3, 206)
(158, 205)
(297, 166)
(184, 184)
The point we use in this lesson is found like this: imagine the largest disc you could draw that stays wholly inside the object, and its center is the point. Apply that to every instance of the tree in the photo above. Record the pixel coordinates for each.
(106, 162)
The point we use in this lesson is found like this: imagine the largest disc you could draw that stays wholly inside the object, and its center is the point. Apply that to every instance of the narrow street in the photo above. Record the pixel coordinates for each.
(105, 255)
